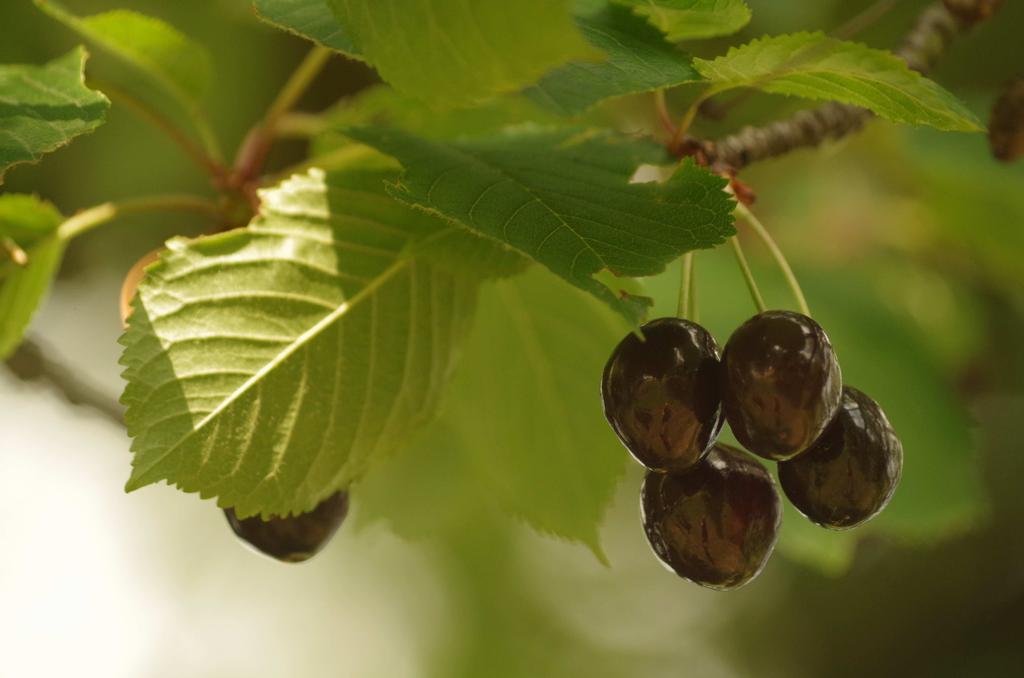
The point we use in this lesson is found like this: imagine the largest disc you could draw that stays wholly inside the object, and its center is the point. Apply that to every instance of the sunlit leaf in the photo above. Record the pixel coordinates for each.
(692, 19)
(564, 201)
(310, 19)
(44, 107)
(814, 66)
(448, 53)
(269, 365)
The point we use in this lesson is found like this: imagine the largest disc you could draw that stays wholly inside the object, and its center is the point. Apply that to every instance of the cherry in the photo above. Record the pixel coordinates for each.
(781, 383)
(661, 393)
(295, 538)
(851, 472)
(716, 523)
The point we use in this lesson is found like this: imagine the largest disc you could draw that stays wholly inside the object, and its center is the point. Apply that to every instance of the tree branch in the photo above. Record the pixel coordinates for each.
(30, 363)
(934, 30)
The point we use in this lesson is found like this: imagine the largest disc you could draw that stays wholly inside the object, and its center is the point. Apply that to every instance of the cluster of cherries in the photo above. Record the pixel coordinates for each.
(711, 512)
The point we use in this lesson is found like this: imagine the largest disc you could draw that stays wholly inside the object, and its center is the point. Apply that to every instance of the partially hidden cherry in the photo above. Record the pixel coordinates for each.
(849, 474)
(716, 523)
(295, 538)
(781, 383)
(661, 393)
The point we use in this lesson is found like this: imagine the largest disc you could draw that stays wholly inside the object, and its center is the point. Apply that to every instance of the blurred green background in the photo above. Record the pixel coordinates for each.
(908, 244)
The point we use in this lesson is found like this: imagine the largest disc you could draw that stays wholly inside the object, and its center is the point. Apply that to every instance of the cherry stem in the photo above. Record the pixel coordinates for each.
(686, 293)
(254, 149)
(748, 275)
(14, 251)
(661, 106)
(694, 308)
(90, 218)
(776, 252)
(689, 116)
(297, 84)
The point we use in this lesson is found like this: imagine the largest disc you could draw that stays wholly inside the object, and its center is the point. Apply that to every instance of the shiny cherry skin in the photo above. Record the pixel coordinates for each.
(295, 538)
(781, 383)
(661, 393)
(850, 473)
(714, 524)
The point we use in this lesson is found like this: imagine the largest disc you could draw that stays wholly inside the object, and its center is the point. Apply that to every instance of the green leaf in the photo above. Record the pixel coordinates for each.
(449, 53)
(269, 365)
(384, 106)
(523, 428)
(44, 107)
(814, 66)
(32, 224)
(565, 201)
(692, 19)
(179, 64)
(310, 19)
(638, 60)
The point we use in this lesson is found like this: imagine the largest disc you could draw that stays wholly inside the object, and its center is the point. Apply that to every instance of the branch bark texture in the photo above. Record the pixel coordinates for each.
(934, 30)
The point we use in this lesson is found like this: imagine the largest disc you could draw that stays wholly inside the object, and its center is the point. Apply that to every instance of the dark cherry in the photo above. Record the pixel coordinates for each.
(851, 472)
(661, 393)
(716, 523)
(295, 538)
(781, 383)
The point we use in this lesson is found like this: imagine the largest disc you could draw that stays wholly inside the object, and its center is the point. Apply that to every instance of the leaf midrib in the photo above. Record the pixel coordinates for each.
(484, 163)
(298, 343)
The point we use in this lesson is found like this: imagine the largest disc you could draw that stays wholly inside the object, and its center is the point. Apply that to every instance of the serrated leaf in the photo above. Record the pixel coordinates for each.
(310, 19)
(814, 66)
(531, 422)
(31, 224)
(178, 63)
(638, 60)
(269, 365)
(382, 105)
(692, 19)
(565, 201)
(450, 53)
(44, 107)
(522, 428)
